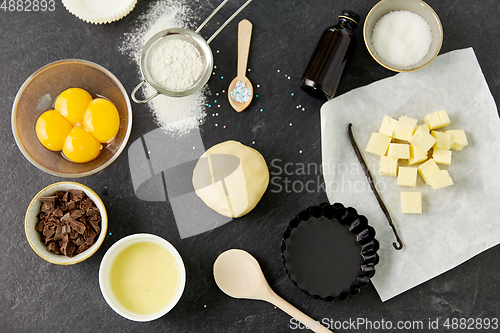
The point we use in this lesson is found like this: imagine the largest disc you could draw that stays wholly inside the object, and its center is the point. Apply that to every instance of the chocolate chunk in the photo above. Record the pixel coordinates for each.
(65, 219)
(91, 238)
(66, 229)
(81, 249)
(58, 223)
(48, 232)
(66, 197)
(46, 208)
(49, 202)
(64, 241)
(77, 213)
(70, 205)
(58, 234)
(39, 226)
(58, 212)
(95, 225)
(73, 235)
(77, 194)
(67, 247)
(53, 248)
(92, 211)
(51, 218)
(79, 241)
(86, 204)
(78, 226)
(47, 241)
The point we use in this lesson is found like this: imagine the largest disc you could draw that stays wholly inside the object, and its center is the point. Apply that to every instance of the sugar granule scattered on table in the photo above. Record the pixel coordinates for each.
(176, 116)
(401, 38)
(241, 93)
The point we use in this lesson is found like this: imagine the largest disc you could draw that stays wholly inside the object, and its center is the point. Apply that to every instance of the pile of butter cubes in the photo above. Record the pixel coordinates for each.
(403, 139)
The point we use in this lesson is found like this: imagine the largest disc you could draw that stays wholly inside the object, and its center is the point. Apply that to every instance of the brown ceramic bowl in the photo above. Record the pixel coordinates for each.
(38, 94)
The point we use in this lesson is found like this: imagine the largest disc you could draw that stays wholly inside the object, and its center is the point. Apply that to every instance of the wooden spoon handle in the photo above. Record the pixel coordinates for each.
(312, 324)
(244, 36)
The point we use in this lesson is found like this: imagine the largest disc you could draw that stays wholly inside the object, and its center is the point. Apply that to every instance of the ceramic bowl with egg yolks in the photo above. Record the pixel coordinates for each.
(38, 95)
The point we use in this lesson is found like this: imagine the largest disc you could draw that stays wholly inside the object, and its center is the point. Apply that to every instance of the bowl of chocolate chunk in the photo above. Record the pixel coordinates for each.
(66, 223)
(329, 251)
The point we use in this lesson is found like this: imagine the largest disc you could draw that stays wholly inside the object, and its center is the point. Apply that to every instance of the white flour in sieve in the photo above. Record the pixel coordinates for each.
(176, 116)
(175, 64)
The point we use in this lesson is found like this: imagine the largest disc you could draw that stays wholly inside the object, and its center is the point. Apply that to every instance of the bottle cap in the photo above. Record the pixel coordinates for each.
(350, 15)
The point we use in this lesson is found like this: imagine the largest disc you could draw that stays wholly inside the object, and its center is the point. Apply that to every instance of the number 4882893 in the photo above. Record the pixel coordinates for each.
(28, 5)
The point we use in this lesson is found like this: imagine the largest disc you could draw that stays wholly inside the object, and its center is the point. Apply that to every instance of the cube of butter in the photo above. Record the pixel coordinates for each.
(437, 119)
(388, 166)
(417, 155)
(422, 139)
(399, 150)
(426, 127)
(442, 140)
(426, 169)
(407, 176)
(387, 126)
(441, 156)
(411, 202)
(440, 179)
(378, 144)
(458, 139)
(404, 128)
(408, 121)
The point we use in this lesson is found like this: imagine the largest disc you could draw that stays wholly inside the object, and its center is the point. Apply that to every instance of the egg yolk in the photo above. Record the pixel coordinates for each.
(80, 146)
(102, 120)
(72, 104)
(52, 129)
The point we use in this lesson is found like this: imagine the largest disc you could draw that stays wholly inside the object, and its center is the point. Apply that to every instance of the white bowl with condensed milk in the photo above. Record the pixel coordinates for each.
(142, 277)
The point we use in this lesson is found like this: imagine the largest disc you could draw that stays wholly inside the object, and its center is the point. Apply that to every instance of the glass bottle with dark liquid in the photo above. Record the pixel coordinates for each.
(327, 63)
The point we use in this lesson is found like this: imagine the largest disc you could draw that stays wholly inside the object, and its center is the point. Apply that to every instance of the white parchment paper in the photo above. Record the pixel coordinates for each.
(458, 222)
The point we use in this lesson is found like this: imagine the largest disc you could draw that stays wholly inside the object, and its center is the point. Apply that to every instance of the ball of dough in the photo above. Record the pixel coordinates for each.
(231, 178)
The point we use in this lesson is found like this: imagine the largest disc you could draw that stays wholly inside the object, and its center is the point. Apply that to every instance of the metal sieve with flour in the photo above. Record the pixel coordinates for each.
(186, 35)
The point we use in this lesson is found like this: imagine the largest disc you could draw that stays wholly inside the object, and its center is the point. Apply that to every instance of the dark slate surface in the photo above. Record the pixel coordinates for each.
(36, 296)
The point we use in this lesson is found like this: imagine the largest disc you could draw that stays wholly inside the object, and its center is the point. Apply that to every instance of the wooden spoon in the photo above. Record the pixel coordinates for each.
(244, 36)
(238, 275)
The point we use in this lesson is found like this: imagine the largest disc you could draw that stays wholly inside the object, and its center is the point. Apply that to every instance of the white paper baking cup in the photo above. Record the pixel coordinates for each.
(98, 11)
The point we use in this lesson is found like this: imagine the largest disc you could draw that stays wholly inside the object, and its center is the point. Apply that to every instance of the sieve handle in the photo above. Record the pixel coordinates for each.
(225, 23)
(141, 101)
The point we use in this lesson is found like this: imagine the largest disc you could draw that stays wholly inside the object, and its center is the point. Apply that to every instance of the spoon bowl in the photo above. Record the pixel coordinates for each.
(238, 274)
(244, 37)
(240, 106)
